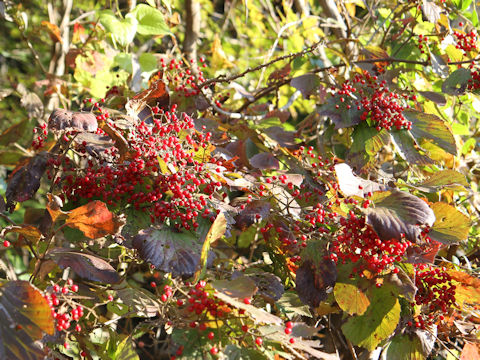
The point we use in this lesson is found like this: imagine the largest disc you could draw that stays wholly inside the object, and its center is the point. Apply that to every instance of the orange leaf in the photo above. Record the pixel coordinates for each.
(470, 352)
(53, 31)
(467, 292)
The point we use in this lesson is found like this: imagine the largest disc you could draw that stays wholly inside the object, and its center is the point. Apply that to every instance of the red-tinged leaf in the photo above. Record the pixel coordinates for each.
(216, 231)
(169, 250)
(253, 211)
(397, 212)
(279, 75)
(13, 133)
(87, 266)
(93, 219)
(29, 231)
(257, 315)
(351, 298)
(431, 127)
(66, 120)
(435, 97)
(241, 287)
(25, 317)
(282, 115)
(352, 185)
(451, 225)
(156, 95)
(306, 84)
(282, 137)
(378, 322)
(470, 351)
(264, 161)
(313, 279)
(26, 181)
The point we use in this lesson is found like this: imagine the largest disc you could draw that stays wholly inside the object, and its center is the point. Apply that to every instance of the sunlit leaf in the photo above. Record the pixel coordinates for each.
(139, 301)
(377, 323)
(398, 213)
(150, 20)
(351, 184)
(351, 298)
(24, 318)
(61, 119)
(451, 225)
(240, 287)
(448, 178)
(29, 231)
(405, 347)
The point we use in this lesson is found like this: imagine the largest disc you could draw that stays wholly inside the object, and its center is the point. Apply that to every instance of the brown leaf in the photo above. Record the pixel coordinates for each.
(61, 119)
(26, 181)
(248, 215)
(156, 95)
(264, 161)
(93, 219)
(85, 265)
(279, 74)
(313, 280)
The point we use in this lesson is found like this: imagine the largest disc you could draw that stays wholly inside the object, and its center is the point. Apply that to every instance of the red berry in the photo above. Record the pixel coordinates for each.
(214, 350)
(247, 301)
(288, 331)
(292, 340)
(74, 288)
(289, 324)
(244, 328)
(259, 341)
(210, 335)
(6, 243)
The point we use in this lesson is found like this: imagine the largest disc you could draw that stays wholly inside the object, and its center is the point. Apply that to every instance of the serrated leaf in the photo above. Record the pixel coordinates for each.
(351, 298)
(150, 20)
(87, 266)
(169, 250)
(377, 323)
(457, 82)
(451, 225)
(24, 318)
(429, 126)
(448, 178)
(397, 212)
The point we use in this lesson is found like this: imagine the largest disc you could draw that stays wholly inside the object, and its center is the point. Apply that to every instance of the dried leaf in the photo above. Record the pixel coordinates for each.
(313, 280)
(29, 231)
(87, 266)
(26, 181)
(53, 31)
(93, 219)
(241, 287)
(67, 120)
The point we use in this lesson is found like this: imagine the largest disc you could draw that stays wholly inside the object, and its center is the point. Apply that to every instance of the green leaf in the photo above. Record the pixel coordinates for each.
(148, 62)
(235, 352)
(13, 133)
(125, 350)
(150, 20)
(351, 298)
(139, 301)
(408, 148)
(429, 126)
(456, 83)
(405, 347)
(378, 322)
(122, 31)
(290, 304)
(24, 318)
(451, 225)
(450, 179)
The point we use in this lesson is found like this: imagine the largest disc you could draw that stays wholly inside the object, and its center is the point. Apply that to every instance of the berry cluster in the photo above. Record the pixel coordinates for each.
(465, 41)
(40, 136)
(435, 292)
(359, 243)
(474, 82)
(65, 312)
(378, 105)
(182, 78)
(422, 41)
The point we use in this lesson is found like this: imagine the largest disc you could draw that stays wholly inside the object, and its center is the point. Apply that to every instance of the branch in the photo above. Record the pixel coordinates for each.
(223, 79)
(192, 29)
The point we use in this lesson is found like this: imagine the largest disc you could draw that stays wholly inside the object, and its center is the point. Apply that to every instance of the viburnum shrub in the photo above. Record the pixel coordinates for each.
(309, 203)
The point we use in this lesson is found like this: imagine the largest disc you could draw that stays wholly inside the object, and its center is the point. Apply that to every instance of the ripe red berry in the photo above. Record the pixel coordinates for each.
(292, 340)
(244, 328)
(289, 324)
(214, 350)
(6, 243)
(288, 331)
(211, 335)
(259, 341)
(247, 301)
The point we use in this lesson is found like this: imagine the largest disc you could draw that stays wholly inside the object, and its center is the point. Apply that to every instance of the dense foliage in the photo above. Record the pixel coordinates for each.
(239, 180)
